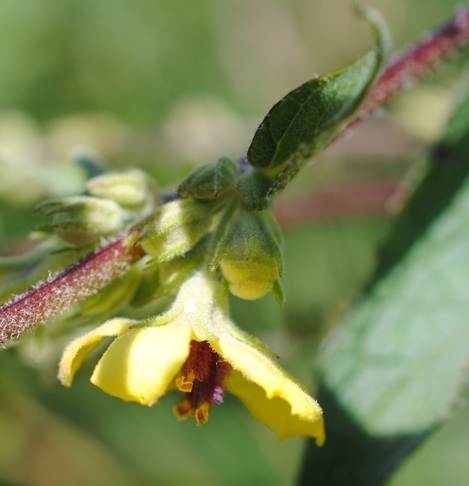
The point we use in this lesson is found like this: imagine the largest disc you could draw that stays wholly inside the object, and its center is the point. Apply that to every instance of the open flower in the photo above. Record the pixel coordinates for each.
(196, 348)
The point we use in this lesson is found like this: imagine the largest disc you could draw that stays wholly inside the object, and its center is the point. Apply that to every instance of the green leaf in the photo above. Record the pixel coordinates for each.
(397, 367)
(301, 124)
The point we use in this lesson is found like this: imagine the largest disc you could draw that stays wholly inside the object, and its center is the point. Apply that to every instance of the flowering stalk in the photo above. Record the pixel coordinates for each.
(57, 293)
(93, 272)
(434, 49)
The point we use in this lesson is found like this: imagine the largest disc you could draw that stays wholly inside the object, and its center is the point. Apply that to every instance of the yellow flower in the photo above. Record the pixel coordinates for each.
(196, 348)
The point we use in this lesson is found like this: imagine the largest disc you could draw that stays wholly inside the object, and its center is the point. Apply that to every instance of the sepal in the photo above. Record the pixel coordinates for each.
(254, 189)
(210, 181)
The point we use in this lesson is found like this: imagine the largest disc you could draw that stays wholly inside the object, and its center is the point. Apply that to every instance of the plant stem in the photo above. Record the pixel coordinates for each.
(93, 272)
(60, 291)
(434, 49)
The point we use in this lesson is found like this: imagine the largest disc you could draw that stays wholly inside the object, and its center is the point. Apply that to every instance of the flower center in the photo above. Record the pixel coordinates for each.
(202, 380)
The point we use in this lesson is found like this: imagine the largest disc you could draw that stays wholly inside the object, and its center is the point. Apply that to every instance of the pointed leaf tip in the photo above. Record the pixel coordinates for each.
(301, 124)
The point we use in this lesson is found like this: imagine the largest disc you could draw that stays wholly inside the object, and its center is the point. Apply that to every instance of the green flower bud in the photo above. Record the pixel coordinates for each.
(82, 220)
(210, 181)
(250, 254)
(175, 228)
(132, 189)
(249, 279)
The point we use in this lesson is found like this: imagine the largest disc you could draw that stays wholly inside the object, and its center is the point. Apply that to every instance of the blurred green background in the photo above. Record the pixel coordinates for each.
(166, 86)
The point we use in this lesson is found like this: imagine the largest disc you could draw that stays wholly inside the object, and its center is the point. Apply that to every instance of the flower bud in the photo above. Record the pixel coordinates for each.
(209, 181)
(175, 228)
(82, 220)
(250, 254)
(131, 190)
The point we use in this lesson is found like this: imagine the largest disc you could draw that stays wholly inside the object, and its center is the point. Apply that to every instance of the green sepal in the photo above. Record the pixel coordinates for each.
(253, 188)
(90, 161)
(301, 125)
(245, 235)
(278, 292)
(210, 181)
(219, 240)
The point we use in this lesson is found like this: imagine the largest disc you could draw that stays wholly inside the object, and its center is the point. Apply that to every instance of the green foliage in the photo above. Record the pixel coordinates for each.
(388, 378)
(398, 366)
(302, 123)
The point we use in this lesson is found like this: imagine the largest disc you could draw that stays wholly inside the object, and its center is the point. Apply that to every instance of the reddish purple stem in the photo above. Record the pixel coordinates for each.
(60, 291)
(419, 61)
(93, 272)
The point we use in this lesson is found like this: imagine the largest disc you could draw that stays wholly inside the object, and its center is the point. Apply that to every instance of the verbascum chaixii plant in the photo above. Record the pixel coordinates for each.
(214, 236)
(126, 241)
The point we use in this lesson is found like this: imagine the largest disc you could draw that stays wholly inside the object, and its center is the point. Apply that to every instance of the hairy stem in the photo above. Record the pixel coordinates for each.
(60, 291)
(93, 272)
(432, 51)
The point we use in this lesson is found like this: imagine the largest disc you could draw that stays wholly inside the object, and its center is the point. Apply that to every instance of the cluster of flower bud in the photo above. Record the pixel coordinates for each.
(209, 220)
(208, 227)
(244, 245)
(110, 202)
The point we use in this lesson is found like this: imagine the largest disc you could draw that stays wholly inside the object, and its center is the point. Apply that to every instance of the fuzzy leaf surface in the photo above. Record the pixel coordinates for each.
(301, 124)
(398, 366)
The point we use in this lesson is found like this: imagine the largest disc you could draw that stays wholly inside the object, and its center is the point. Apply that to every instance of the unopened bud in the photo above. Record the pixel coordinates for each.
(250, 254)
(209, 181)
(82, 220)
(132, 189)
(175, 228)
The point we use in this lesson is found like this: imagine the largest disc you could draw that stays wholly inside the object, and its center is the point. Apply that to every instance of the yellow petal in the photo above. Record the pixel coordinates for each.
(271, 394)
(140, 365)
(80, 347)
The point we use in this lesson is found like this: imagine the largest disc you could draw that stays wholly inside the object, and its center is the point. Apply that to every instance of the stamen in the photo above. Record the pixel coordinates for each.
(183, 410)
(202, 380)
(185, 383)
(201, 414)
